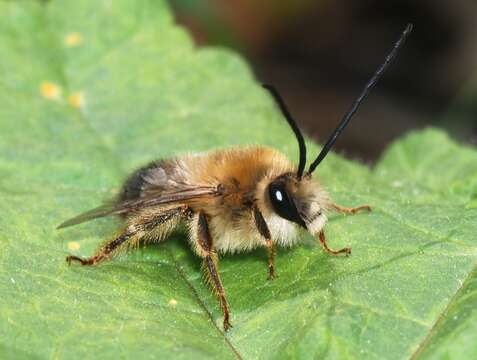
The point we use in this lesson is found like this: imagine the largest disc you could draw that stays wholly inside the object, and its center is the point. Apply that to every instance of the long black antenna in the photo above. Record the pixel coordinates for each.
(354, 107)
(294, 126)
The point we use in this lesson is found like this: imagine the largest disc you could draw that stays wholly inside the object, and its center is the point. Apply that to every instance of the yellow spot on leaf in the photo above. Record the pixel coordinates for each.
(73, 39)
(172, 302)
(50, 90)
(73, 245)
(76, 100)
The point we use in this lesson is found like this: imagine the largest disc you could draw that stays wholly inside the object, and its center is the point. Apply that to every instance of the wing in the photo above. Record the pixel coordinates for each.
(127, 206)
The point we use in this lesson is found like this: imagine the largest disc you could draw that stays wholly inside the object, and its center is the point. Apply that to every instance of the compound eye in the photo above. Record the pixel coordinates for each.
(283, 204)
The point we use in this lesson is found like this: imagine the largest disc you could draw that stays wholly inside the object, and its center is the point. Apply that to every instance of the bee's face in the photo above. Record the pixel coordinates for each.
(300, 201)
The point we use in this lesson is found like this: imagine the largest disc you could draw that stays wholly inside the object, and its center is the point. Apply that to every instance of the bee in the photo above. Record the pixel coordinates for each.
(230, 200)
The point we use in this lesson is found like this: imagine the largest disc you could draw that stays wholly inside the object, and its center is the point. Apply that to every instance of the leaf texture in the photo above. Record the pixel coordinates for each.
(90, 90)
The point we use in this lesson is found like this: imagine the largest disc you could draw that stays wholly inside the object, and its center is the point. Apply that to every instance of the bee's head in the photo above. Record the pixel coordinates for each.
(294, 196)
(301, 201)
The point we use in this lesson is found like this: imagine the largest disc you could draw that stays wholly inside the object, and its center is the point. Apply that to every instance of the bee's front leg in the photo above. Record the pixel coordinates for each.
(346, 210)
(262, 228)
(271, 260)
(211, 263)
(323, 243)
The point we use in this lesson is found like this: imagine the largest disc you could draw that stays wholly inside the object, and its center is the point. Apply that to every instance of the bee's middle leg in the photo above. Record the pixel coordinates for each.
(211, 264)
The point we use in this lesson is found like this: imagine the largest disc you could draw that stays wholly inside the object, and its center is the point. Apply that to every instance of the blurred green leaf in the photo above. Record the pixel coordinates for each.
(89, 90)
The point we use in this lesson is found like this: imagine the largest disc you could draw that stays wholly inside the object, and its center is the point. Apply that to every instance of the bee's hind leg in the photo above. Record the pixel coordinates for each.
(135, 231)
(346, 210)
(104, 252)
(210, 264)
(325, 247)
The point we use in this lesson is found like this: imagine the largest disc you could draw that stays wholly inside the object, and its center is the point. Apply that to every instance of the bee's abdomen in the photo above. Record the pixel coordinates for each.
(134, 185)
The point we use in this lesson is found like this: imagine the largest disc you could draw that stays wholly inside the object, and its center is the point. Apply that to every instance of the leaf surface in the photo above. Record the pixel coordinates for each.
(90, 90)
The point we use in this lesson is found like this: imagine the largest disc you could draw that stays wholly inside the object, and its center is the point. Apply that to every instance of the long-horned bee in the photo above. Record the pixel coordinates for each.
(230, 200)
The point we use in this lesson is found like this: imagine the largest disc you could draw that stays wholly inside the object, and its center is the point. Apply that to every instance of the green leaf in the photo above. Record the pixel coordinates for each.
(90, 90)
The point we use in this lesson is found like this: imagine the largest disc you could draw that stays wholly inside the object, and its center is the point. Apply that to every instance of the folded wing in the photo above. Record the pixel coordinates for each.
(130, 206)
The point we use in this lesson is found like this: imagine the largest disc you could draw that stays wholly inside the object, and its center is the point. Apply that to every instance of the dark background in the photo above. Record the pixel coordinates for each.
(319, 54)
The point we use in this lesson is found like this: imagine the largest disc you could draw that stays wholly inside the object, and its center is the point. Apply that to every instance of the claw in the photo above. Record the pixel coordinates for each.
(271, 274)
(83, 262)
(227, 325)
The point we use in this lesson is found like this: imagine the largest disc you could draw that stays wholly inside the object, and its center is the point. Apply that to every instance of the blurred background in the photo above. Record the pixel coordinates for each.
(319, 54)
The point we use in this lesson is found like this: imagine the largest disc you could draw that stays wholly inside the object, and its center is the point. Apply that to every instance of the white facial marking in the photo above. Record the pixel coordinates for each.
(284, 232)
(317, 224)
(318, 219)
